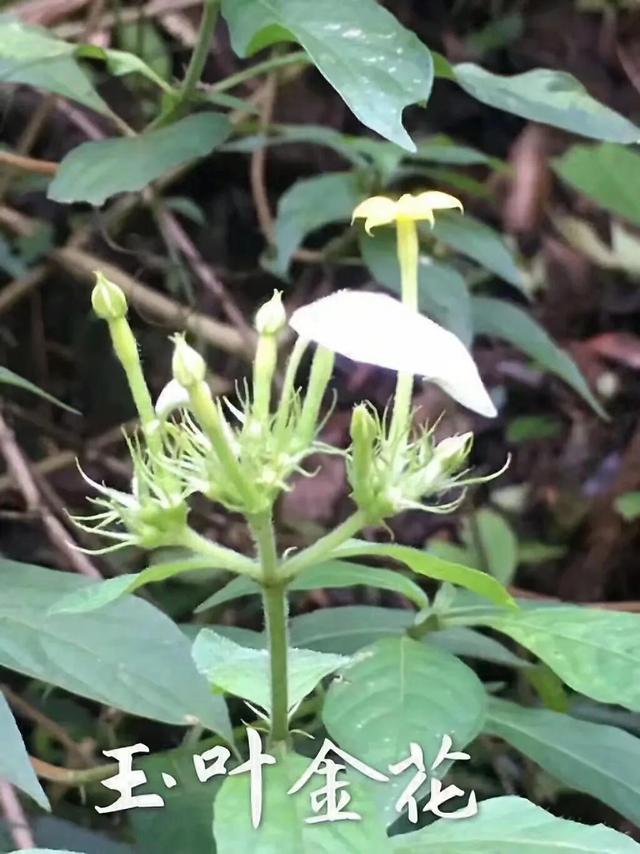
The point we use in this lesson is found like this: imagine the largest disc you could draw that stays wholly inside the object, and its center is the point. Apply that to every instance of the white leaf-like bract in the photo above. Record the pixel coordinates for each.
(379, 330)
(173, 396)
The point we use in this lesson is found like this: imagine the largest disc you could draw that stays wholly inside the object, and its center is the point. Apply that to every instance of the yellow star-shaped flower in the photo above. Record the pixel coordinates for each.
(380, 210)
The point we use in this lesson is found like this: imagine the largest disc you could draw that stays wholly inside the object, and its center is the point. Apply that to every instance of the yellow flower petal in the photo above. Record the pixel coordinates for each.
(378, 210)
(435, 200)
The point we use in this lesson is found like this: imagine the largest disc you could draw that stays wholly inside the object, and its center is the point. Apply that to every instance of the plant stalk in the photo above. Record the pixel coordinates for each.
(323, 548)
(274, 599)
(408, 252)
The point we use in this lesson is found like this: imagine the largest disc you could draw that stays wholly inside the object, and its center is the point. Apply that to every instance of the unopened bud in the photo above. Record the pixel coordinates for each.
(363, 426)
(187, 365)
(271, 317)
(108, 300)
(452, 452)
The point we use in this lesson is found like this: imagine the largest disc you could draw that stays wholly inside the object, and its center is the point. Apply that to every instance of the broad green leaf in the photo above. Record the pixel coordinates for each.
(58, 833)
(33, 56)
(442, 292)
(15, 765)
(347, 629)
(597, 653)
(601, 761)
(283, 829)
(478, 241)
(128, 655)
(498, 544)
(431, 566)
(10, 378)
(184, 822)
(376, 65)
(550, 97)
(98, 595)
(468, 643)
(510, 824)
(42, 851)
(609, 174)
(443, 149)
(628, 505)
(500, 319)
(144, 37)
(310, 204)
(342, 143)
(244, 671)
(399, 691)
(95, 171)
(334, 573)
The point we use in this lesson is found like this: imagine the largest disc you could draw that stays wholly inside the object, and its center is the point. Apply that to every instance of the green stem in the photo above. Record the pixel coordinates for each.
(321, 370)
(194, 69)
(323, 548)
(259, 68)
(288, 385)
(126, 349)
(274, 599)
(210, 418)
(220, 556)
(200, 51)
(408, 253)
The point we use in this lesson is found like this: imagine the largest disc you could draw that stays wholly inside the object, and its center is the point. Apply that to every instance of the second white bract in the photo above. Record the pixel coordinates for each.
(379, 330)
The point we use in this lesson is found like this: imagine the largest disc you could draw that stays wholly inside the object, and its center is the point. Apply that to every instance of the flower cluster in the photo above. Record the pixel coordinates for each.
(243, 452)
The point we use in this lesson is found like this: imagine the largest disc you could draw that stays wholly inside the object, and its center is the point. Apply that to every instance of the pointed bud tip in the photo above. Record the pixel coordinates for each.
(271, 317)
(108, 299)
(187, 364)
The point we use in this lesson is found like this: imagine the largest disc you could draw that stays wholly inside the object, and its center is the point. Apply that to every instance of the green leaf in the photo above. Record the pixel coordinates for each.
(526, 428)
(335, 573)
(10, 378)
(480, 242)
(31, 55)
(310, 204)
(497, 544)
(628, 505)
(184, 822)
(512, 824)
(550, 97)
(608, 174)
(347, 629)
(399, 691)
(144, 38)
(10, 262)
(468, 643)
(95, 171)
(283, 827)
(128, 655)
(601, 761)
(442, 292)
(432, 567)
(15, 765)
(376, 65)
(343, 144)
(443, 149)
(597, 653)
(505, 321)
(98, 595)
(121, 62)
(42, 851)
(244, 671)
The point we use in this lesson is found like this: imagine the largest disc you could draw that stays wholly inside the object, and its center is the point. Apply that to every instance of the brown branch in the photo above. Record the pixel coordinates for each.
(258, 166)
(14, 814)
(71, 776)
(25, 709)
(167, 310)
(20, 472)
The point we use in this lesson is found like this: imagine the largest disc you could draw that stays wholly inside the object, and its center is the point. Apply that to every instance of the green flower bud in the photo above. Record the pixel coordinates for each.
(108, 300)
(362, 473)
(452, 452)
(271, 317)
(188, 366)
